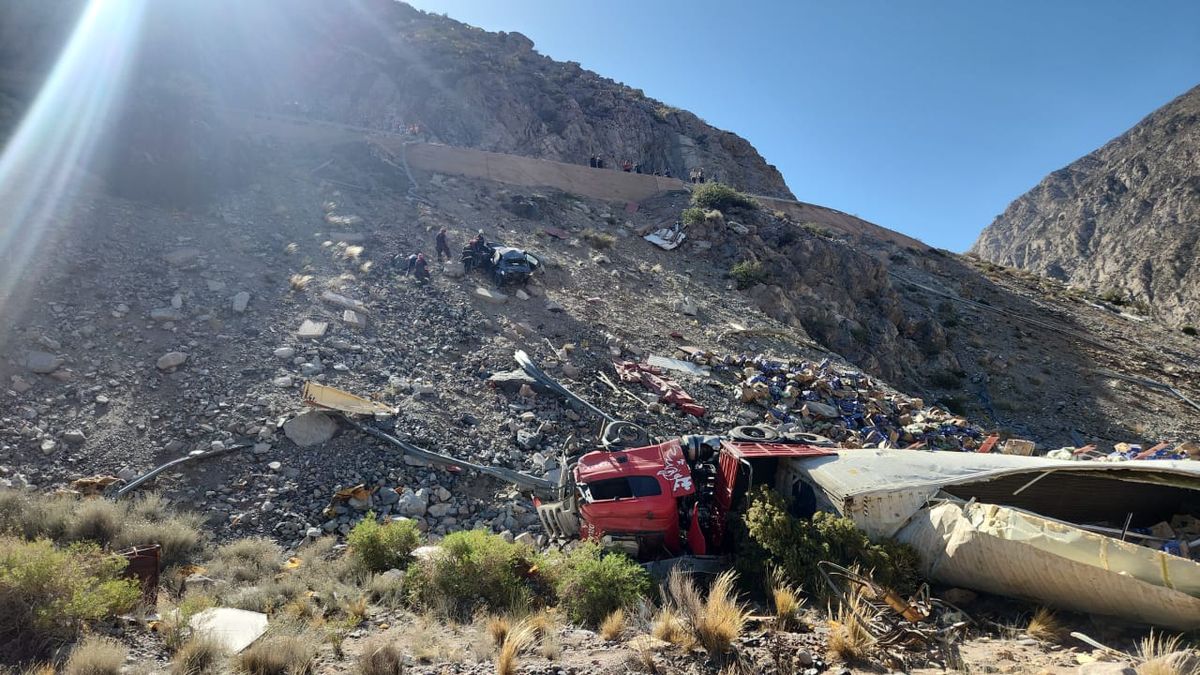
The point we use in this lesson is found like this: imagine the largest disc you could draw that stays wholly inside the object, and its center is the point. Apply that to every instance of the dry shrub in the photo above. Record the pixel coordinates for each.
(598, 239)
(543, 623)
(353, 252)
(849, 639)
(517, 640)
(96, 655)
(786, 600)
(246, 560)
(356, 609)
(668, 627)
(723, 616)
(643, 661)
(551, 647)
(1045, 626)
(179, 537)
(97, 520)
(1166, 655)
(381, 658)
(300, 282)
(201, 655)
(612, 625)
(279, 655)
(683, 596)
(39, 669)
(498, 628)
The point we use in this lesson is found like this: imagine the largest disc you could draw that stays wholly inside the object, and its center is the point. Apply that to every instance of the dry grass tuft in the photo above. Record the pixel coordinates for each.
(356, 609)
(543, 623)
(39, 669)
(300, 282)
(1045, 626)
(551, 648)
(96, 655)
(520, 637)
(498, 628)
(668, 627)
(683, 596)
(722, 618)
(1166, 655)
(353, 252)
(381, 658)
(291, 248)
(278, 655)
(200, 655)
(849, 639)
(642, 660)
(787, 601)
(613, 625)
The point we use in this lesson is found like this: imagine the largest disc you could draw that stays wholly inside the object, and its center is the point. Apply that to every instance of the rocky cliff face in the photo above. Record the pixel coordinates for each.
(387, 66)
(1124, 220)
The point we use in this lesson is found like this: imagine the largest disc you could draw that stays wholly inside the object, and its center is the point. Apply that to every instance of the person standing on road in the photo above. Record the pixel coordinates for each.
(442, 246)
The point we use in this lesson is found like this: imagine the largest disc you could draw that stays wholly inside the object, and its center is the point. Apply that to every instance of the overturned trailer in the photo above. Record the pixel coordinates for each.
(1061, 533)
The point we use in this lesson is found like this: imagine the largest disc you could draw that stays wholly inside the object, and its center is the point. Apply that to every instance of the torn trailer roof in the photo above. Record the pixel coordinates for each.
(1068, 534)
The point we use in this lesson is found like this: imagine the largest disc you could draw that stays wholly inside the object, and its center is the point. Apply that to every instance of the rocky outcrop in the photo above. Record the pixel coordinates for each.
(1124, 220)
(384, 65)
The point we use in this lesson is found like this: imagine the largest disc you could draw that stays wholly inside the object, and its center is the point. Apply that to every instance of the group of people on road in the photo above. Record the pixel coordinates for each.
(597, 162)
(417, 266)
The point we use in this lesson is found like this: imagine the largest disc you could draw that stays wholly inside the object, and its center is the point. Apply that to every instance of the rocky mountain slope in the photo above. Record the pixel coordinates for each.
(387, 66)
(1123, 220)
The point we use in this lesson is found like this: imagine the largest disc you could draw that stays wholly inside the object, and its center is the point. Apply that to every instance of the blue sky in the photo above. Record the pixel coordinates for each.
(924, 116)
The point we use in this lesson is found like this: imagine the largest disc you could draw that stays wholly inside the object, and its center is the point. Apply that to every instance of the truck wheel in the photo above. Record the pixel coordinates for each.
(622, 434)
(807, 438)
(753, 433)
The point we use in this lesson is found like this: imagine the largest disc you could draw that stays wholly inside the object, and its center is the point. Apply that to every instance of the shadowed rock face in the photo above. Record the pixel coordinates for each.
(384, 65)
(1125, 218)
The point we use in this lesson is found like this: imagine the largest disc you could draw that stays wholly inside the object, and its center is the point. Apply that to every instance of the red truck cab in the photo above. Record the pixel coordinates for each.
(663, 500)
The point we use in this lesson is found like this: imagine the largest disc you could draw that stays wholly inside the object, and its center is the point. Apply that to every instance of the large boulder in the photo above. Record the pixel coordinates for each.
(310, 428)
(42, 362)
(171, 360)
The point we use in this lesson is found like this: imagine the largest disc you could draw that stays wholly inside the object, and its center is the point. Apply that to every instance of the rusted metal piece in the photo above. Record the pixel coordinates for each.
(144, 566)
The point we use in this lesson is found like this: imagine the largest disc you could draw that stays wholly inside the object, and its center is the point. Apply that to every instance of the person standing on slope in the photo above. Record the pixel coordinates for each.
(442, 246)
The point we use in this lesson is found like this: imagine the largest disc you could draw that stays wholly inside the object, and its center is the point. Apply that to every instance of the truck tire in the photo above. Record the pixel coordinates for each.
(807, 438)
(622, 434)
(753, 433)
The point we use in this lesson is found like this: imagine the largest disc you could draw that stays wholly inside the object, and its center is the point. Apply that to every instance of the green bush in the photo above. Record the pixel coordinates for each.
(748, 273)
(246, 560)
(1114, 296)
(592, 584)
(721, 197)
(795, 546)
(692, 216)
(379, 547)
(476, 570)
(48, 594)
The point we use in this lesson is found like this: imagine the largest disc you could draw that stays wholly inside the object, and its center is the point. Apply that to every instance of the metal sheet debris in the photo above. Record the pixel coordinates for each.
(678, 366)
(332, 398)
(235, 629)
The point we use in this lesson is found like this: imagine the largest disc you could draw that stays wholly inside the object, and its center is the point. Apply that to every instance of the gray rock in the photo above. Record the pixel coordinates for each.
(310, 428)
(412, 504)
(386, 497)
(42, 362)
(74, 437)
(171, 360)
(285, 353)
(49, 446)
(822, 410)
(527, 439)
(166, 314)
(241, 301)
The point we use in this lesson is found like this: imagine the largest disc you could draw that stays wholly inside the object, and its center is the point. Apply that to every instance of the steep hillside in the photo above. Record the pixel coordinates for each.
(384, 65)
(1123, 221)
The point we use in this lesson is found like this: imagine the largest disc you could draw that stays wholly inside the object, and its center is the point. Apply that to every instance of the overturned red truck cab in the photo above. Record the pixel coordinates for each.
(668, 499)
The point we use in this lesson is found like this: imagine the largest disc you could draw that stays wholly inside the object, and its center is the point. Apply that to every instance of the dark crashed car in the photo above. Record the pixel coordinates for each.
(512, 265)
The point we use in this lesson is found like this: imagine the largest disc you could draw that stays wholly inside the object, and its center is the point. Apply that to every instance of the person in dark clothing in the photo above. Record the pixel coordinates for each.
(421, 268)
(699, 175)
(637, 168)
(599, 162)
(442, 246)
(410, 265)
(627, 166)
(475, 252)
(592, 161)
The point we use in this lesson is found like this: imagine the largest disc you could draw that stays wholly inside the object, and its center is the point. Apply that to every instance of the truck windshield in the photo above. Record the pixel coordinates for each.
(623, 488)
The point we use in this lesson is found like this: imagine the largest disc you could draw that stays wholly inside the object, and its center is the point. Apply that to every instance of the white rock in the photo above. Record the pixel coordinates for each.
(453, 269)
(354, 319)
(171, 360)
(176, 301)
(521, 295)
(310, 428)
(494, 297)
(285, 353)
(241, 301)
